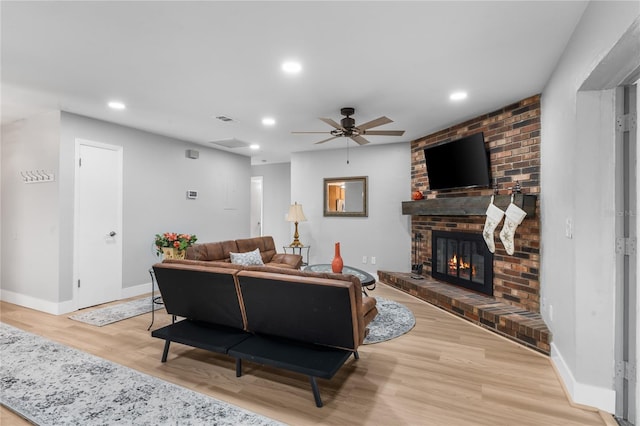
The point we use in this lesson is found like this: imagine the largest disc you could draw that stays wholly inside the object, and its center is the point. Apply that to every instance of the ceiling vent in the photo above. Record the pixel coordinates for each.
(231, 143)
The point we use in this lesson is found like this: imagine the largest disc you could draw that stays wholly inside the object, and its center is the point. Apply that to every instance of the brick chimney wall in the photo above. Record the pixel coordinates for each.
(512, 136)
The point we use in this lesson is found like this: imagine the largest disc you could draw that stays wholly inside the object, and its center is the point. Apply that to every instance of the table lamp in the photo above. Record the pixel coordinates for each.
(296, 215)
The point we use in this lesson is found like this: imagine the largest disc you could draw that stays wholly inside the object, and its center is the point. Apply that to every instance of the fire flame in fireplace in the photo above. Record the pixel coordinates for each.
(463, 266)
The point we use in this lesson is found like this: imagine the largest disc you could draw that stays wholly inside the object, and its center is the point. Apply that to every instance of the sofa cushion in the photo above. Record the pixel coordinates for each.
(227, 264)
(219, 251)
(249, 258)
(200, 293)
(307, 309)
(205, 263)
(265, 244)
(365, 305)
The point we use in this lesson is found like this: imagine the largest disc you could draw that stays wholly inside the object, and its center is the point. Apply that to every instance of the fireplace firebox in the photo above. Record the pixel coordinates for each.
(463, 259)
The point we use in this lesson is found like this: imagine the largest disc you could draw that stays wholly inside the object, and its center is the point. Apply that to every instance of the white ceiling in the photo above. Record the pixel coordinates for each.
(178, 65)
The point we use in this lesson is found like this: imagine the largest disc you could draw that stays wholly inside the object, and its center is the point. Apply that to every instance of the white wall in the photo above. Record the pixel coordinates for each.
(276, 186)
(157, 175)
(30, 212)
(577, 184)
(385, 233)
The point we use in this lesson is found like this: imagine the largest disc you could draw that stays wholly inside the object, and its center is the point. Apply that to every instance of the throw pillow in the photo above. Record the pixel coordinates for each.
(248, 258)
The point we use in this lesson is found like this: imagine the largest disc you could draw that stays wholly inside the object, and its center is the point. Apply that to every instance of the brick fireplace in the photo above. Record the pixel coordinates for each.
(512, 137)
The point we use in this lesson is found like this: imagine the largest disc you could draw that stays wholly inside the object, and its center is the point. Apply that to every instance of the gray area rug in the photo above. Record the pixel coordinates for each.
(51, 384)
(115, 313)
(393, 320)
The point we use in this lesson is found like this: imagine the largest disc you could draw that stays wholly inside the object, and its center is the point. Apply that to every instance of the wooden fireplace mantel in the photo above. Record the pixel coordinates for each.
(467, 206)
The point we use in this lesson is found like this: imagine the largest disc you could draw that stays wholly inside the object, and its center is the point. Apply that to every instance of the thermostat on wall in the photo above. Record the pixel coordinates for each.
(192, 195)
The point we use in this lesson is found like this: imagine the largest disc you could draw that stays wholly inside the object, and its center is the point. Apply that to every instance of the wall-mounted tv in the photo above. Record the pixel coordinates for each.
(463, 163)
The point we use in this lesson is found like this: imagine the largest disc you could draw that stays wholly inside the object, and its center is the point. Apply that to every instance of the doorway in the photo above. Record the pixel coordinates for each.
(256, 215)
(98, 223)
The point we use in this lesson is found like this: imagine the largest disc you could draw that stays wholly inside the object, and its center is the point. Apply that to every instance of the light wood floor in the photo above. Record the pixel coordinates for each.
(445, 371)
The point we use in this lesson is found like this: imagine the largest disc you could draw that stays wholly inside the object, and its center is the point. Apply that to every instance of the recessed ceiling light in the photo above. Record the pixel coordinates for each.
(458, 96)
(268, 121)
(254, 147)
(116, 105)
(291, 67)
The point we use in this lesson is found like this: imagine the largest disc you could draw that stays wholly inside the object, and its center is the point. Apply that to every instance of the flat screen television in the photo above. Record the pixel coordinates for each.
(463, 163)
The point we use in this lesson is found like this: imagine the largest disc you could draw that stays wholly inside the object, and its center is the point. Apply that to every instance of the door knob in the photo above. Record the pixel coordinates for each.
(112, 233)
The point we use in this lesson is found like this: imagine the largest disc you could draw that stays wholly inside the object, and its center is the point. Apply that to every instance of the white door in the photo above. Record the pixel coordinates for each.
(98, 223)
(256, 206)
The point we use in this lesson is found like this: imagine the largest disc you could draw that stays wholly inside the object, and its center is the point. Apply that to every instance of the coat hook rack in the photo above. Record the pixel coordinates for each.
(37, 176)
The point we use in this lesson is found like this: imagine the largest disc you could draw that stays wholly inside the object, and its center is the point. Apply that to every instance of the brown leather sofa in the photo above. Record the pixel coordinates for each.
(302, 321)
(220, 252)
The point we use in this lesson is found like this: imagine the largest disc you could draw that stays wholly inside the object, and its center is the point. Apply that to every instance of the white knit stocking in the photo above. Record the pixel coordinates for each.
(494, 216)
(513, 217)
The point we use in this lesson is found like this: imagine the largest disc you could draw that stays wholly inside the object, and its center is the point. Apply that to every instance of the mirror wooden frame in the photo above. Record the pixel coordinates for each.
(329, 182)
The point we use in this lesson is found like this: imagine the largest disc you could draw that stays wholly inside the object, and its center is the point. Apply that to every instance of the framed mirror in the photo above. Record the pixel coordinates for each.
(345, 196)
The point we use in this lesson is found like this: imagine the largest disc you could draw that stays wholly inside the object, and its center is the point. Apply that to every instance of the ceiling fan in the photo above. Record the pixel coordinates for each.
(347, 128)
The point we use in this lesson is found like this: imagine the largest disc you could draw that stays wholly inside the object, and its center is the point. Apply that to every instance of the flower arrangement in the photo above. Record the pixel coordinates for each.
(179, 242)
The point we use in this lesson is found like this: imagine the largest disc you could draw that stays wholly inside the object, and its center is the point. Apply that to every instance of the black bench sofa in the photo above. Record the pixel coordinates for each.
(308, 323)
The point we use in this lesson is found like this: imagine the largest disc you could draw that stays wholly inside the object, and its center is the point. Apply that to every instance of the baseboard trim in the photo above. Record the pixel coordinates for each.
(60, 308)
(136, 290)
(594, 396)
(54, 308)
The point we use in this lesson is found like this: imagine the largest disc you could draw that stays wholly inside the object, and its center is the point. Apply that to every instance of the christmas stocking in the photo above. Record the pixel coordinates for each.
(494, 216)
(513, 217)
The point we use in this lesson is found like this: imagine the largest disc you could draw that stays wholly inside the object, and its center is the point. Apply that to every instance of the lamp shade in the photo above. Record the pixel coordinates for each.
(295, 213)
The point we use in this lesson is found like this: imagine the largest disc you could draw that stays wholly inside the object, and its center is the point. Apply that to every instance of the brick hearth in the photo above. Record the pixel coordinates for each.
(522, 326)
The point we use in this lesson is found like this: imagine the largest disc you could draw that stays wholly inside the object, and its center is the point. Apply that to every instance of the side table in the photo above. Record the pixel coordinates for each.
(299, 251)
(157, 300)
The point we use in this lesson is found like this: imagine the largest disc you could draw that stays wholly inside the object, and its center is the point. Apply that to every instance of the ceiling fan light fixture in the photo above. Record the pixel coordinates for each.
(348, 123)
(347, 128)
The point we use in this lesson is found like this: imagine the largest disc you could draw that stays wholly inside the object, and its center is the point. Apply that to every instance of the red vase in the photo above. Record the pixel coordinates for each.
(337, 264)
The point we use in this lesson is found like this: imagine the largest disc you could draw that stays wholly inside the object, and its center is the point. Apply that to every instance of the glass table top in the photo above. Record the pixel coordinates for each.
(364, 277)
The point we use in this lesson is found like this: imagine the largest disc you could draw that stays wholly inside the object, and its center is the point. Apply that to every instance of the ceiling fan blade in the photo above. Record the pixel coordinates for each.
(360, 140)
(327, 140)
(375, 123)
(302, 133)
(384, 132)
(331, 123)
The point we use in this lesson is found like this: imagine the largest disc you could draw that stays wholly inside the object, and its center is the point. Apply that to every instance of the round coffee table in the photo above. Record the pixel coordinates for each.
(367, 281)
